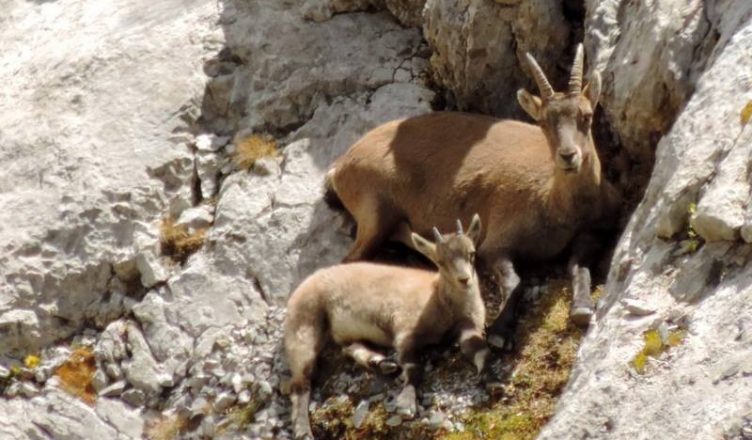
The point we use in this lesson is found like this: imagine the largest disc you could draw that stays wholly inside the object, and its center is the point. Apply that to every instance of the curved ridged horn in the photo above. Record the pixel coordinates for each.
(437, 235)
(575, 78)
(459, 227)
(544, 86)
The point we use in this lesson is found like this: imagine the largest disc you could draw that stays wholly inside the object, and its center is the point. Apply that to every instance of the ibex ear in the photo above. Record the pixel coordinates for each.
(424, 246)
(530, 103)
(473, 231)
(593, 90)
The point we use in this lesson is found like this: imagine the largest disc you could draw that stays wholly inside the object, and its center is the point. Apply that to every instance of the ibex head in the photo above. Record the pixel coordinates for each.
(564, 117)
(453, 254)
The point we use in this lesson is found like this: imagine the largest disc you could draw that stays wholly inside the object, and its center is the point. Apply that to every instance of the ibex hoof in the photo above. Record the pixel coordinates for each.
(388, 366)
(383, 365)
(581, 316)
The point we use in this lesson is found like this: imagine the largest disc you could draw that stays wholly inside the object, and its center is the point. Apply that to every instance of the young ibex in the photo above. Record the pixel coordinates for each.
(387, 306)
(536, 187)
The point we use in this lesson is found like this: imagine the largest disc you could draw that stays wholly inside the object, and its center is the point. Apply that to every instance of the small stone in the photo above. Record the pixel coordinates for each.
(134, 397)
(210, 364)
(264, 388)
(394, 420)
(113, 390)
(637, 307)
(151, 269)
(13, 389)
(114, 371)
(198, 406)
(224, 400)
(197, 217)
(266, 166)
(28, 389)
(207, 427)
(244, 396)
(459, 426)
(99, 381)
(4, 372)
(436, 419)
(211, 143)
(746, 432)
(360, 413)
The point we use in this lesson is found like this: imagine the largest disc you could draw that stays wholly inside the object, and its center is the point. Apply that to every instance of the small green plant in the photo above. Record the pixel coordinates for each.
(251, 148)
(177, 241)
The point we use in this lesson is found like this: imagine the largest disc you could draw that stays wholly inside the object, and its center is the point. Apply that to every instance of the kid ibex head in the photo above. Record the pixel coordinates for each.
(565, 118)
(453, 254)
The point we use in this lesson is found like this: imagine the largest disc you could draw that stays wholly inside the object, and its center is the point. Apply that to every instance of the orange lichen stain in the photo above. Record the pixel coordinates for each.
(76, 374)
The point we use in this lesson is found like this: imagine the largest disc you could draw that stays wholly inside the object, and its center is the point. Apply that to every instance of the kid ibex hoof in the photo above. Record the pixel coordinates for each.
(581, 316)
(387, 366)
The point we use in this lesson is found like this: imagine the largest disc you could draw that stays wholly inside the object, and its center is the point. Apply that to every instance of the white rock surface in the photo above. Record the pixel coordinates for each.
(691, 390)
(94, 101)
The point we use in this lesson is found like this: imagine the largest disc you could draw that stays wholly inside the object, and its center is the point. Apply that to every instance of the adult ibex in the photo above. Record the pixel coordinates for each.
(388, 306)
(536, 187)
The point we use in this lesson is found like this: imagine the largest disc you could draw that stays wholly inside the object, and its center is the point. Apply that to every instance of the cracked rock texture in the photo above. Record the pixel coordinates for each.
(115, 115)
(478, 46)
(700, 388)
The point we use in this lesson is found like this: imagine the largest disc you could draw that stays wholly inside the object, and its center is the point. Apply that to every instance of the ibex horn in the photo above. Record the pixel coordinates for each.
(546, 91)
(575, 78)
(459, 227)
(437, 235)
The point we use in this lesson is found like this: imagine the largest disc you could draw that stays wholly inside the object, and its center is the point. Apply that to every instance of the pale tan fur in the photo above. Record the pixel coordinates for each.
(535, 186)
(386, 306)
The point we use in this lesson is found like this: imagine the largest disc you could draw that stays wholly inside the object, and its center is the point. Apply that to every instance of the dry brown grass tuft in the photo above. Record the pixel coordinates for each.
(76, 374)
(177, 241)
(251, 148)
(165, 428)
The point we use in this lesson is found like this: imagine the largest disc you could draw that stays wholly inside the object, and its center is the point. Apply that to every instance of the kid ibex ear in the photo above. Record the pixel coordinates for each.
(530, 103)
(593, 90)
(424, 246)
(473, 231)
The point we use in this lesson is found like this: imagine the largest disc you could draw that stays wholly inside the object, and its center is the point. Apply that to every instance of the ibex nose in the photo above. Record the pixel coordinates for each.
(568, 156)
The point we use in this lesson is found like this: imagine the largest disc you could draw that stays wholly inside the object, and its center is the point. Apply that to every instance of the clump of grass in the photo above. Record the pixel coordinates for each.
(76, 374)
(166, 428)
(240, 416)
(547, 342)
(178, 241)
(653, 346)
(248, 149)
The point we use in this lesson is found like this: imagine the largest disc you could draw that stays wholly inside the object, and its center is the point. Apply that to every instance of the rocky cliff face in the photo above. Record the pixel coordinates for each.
(121, 119)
